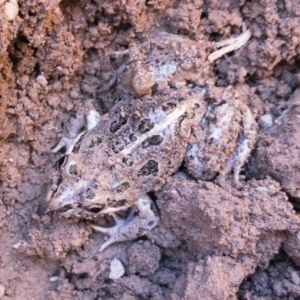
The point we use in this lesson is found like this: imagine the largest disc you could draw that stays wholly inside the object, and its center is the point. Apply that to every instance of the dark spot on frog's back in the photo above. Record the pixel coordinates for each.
(132, 137)
(128, 160)
(89, 194)
(168, 107)
(116, 125)
(95, 142)
(150, 168)
(153, 140)
(180, 120)
(115, 203)
(145, 125)
(117, 147)
(122, 187)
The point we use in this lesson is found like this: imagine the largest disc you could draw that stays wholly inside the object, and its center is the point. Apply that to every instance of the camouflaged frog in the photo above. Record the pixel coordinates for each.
(118, 159)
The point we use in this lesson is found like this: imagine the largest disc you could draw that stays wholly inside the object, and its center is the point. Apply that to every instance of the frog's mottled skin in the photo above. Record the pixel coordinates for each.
(116, 162)
(132, 152)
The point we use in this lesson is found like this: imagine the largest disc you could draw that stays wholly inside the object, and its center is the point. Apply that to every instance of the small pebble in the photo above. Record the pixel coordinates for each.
(11, 9)
(265, 121)
(116, 269)
(53, 279)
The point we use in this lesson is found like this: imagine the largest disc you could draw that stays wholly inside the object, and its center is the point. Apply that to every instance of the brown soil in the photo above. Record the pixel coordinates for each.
(55, 58)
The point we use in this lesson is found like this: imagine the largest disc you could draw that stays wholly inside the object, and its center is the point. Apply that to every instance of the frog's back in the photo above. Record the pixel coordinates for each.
(143, 141)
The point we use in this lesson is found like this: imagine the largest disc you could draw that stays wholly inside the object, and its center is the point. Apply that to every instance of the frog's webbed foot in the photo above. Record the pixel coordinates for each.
(133, 226)
(246, 143)
(75, 128)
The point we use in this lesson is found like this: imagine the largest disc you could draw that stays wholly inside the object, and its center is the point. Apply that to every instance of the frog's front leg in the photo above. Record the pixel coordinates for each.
(133, 226)
(242, 151)
(75, 128)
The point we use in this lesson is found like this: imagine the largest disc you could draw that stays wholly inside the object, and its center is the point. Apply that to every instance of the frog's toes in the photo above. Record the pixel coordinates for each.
(133, 226)
(113, 232)
(74, 129)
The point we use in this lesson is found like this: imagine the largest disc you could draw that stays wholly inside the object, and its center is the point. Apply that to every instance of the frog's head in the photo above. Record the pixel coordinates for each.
(83, 189)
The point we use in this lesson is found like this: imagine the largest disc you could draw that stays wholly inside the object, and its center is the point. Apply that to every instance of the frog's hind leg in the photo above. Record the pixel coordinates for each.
(133, 226)
(245, 144)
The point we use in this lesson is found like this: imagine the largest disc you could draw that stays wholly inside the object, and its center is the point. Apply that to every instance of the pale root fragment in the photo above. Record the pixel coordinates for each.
(116, 269)
(170, 120)
(229, 45)
(133, 226)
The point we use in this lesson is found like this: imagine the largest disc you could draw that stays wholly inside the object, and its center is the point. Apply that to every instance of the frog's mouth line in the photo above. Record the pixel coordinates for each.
(66, 203)
(77, 208)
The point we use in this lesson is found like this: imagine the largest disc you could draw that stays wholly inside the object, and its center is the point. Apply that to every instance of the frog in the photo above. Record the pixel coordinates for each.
(116, 162)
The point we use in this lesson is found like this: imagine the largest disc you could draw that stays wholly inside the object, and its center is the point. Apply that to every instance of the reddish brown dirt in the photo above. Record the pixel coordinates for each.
(55, 57)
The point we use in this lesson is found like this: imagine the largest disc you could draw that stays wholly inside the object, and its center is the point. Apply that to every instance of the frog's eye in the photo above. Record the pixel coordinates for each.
(72, 169)
(95, 209)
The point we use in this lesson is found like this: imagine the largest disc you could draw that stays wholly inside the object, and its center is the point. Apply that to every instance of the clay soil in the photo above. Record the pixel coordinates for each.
(58, 56)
